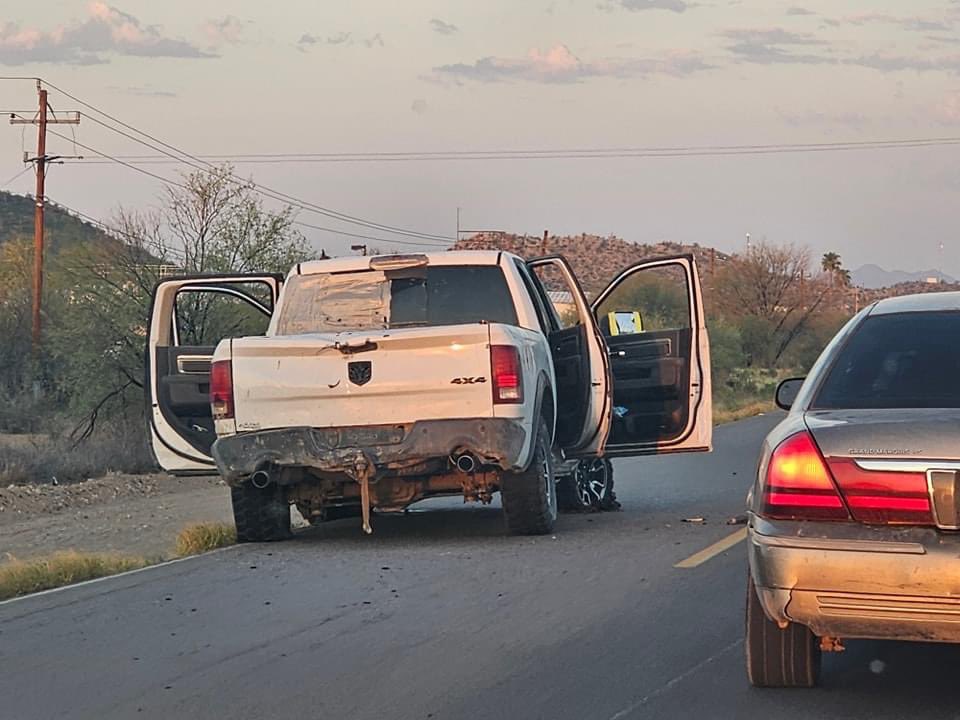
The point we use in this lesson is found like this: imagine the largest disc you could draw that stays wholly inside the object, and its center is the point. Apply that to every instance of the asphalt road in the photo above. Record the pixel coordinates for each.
(440, 615)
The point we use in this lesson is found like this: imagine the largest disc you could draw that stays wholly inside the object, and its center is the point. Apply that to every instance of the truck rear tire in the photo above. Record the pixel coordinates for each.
(261, 515)
(530, 498)
(776, 658)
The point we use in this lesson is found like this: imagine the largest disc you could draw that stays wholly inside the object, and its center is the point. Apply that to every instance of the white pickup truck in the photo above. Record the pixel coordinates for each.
(369, 383)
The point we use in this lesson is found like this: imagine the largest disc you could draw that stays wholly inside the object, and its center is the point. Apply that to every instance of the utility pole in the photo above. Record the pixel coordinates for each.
(40, 162)
(458, 224)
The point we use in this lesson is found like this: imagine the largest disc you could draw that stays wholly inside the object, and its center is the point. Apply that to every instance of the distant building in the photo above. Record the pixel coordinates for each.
(932, 281)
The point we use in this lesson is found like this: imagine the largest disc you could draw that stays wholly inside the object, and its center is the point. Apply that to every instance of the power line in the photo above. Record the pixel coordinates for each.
(560, 153)
(262, 189)
(390, 241)
(27, 169)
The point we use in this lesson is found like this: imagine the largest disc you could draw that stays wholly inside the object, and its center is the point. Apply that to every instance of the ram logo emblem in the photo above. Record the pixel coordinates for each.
(360, 372)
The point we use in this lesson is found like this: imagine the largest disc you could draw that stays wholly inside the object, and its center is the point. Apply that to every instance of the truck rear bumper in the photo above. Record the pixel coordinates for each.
(493, 441)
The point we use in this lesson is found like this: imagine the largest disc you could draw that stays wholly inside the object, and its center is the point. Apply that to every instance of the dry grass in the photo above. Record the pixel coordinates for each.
(22, 577)
(205, 537)
(750, 409)
(27, 459)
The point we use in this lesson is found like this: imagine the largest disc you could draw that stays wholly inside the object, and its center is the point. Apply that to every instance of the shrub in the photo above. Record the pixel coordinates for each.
(59, 459)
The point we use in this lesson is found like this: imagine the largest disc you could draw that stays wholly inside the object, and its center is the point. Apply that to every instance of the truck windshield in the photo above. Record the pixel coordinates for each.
(377, 300)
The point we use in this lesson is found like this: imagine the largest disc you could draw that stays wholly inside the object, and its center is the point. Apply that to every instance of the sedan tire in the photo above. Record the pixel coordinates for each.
(778, 658)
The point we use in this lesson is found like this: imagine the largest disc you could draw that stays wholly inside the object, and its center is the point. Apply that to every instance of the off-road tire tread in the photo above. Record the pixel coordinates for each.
(260, 515)
(778, 658)
(526, 504)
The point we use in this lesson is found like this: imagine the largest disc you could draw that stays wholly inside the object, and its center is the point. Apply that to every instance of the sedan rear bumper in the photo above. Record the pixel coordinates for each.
(853, 581)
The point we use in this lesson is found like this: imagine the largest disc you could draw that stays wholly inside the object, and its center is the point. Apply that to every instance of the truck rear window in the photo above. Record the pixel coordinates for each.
(897, 361)
(377, 300)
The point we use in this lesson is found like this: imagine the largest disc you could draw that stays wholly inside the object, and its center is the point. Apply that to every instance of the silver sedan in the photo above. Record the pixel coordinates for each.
(854, 513)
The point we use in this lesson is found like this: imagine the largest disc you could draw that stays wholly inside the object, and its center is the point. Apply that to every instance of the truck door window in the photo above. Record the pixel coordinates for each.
(559, 294)
(203, 316)
(543, 317)
(646, 321)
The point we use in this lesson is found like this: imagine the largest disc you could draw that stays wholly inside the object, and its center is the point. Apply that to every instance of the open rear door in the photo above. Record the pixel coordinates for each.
(652, 320)
(579, 360)
(189, 316)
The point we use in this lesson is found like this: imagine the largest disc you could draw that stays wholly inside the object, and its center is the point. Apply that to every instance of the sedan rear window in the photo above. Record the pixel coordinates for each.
(907, 360)
(377, 300)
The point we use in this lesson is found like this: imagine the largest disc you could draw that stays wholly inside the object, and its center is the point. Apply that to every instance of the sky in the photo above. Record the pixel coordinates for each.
(346, 76)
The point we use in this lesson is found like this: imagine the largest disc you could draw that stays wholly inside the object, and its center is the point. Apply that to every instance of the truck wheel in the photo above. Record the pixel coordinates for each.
(588, 488)
(530, 498)
(778, 658)
(260, 515)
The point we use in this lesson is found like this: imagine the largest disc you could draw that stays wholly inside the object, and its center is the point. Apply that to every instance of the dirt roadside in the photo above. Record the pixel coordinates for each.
(135, 514)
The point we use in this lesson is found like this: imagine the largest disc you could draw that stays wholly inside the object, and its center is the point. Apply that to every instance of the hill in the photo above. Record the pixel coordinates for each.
(873, 277)
(595, 259)
(62, 230)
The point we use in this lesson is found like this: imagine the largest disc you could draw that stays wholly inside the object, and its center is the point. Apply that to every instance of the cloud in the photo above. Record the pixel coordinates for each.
(105, 31)
(443, 28)
(143, 91)
(766, 46)
(914, 23)
(341, 38)
(560, 65)
(822, 118)
(227, 30)
(917, 63)
(944, 39)
(948, 111)
(797, 11)
(419, 106)
(677, 6)
(770, 36)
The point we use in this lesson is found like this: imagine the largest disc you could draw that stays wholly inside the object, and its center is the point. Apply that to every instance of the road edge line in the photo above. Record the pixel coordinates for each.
(165, 563)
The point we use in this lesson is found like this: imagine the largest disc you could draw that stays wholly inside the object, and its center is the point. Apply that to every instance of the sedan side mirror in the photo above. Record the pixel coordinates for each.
(787, 392)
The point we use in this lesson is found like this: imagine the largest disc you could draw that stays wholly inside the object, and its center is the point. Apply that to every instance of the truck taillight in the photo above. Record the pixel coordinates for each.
(799, 485)
(221, 390)
(507, 374)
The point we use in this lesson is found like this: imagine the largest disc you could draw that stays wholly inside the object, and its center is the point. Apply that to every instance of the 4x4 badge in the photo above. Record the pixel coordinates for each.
(360, 372)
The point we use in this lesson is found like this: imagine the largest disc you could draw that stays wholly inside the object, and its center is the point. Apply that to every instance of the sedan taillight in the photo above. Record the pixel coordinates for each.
(802, 485)
(221, 389)
(883, 498)
(798, 484)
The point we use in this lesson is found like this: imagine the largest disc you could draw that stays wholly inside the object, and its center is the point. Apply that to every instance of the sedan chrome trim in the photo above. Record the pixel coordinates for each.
(808, 543)
(907, 466)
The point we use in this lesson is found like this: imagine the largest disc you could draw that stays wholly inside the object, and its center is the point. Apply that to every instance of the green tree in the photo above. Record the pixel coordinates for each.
(214, 224)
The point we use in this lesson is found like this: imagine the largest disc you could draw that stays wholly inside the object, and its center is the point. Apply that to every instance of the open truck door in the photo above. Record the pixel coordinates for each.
(632, 367)
(189, 316)
(660, 365)
(580, 364)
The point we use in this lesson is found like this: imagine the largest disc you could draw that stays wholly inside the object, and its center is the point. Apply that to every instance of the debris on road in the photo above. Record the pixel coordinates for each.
(696, 520)
(737, 520)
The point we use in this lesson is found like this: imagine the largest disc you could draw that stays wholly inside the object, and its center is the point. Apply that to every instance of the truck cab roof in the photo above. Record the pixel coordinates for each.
(359, 263)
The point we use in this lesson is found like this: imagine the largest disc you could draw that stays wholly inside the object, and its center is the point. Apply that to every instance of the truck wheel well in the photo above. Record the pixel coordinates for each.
(546, 407)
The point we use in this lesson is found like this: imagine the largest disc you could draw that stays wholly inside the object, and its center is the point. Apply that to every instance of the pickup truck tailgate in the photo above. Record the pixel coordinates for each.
(397, 376)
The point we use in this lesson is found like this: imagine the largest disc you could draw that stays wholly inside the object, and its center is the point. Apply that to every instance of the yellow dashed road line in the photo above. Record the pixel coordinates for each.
(718, 547)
